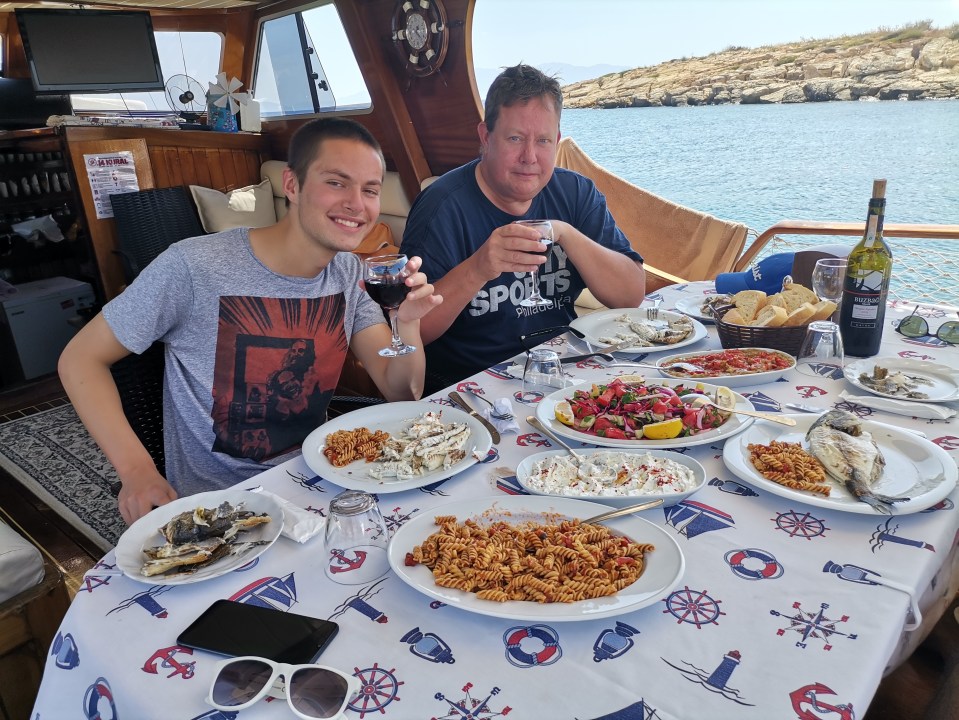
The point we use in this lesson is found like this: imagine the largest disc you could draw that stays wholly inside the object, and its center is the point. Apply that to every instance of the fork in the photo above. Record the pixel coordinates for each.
(493, 411)
(653, 312)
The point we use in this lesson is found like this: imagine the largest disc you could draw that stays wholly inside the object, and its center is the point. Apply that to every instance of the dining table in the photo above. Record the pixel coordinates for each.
(778, 607)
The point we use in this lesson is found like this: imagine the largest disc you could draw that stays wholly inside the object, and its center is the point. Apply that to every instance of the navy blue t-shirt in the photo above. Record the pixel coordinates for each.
(452, 218)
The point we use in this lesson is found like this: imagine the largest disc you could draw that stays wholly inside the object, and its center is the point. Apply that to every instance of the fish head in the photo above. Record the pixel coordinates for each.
(840, 420)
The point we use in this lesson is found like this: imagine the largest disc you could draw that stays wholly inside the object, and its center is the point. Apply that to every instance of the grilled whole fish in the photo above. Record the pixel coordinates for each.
(850, 456)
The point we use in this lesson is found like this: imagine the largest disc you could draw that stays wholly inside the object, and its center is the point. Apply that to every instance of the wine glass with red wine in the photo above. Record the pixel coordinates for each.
(385, 283)
(545, 230)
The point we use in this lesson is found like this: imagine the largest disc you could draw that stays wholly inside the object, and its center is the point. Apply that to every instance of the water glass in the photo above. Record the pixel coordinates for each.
(356, 539)
(542, 375)
(821, 352)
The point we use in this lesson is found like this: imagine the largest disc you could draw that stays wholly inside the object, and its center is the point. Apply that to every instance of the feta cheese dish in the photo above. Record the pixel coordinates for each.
(610, 474)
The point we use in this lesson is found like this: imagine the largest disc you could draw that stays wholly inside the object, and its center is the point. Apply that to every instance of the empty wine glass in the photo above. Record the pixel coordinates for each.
(827, 279)
(545, 230)
(821, 352)
(385, 283)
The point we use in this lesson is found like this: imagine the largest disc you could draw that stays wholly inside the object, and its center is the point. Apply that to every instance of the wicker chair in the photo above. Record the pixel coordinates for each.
(149, 221)
(139, 380)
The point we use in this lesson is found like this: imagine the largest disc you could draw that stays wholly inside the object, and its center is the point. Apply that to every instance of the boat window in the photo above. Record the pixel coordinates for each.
(194, 54)
(305, 65)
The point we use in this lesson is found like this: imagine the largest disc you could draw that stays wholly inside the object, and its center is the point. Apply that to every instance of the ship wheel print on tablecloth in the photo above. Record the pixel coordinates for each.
(800, 524)
(378, 688)
(470, 708)
(693, 607)
(812, 625)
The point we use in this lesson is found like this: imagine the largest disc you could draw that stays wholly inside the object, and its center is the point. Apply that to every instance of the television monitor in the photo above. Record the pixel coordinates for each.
(90, 51)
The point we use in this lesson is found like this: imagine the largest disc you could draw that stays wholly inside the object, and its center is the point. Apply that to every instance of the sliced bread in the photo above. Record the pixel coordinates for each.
(770, 316)
(824, 310)
(800, 316)
(795, 295)
(734, 317)
(749, 303)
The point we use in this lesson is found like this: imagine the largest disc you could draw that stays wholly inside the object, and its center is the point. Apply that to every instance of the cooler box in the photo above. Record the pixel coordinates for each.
(37, 322)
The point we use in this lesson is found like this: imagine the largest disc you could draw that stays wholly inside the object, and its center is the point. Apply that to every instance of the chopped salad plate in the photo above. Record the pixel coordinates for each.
(546, 413)
(607, 323)
(731, 367)
(938, 382)
(664, 566)
(915, 467)
(393, 418)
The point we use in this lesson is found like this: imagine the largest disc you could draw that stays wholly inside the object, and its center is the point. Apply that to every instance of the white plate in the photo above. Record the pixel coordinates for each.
(915, 468)
(391, 417)
(735, 424)
(664, 567)
(144, 533)
(945, 381)
(671, 498)
(693, 306)
(603, 323)
(728, 380)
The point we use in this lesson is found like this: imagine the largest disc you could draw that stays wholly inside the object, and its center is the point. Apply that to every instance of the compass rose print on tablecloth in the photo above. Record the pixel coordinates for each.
(378, 688)
(716, 681)
(800, 524)
(812, 625)
(693, 607)
(470, 708)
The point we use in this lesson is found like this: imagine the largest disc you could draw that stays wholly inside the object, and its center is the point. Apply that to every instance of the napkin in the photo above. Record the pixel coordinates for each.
(502, 406)
(298, 524)
(901, 407)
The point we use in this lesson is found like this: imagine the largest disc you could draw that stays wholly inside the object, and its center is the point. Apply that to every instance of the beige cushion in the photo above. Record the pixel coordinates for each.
(250, 206)
(272, 170)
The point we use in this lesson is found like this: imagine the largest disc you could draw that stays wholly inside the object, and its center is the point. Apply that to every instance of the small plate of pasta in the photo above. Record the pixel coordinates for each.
(607, 569)
(396, 446)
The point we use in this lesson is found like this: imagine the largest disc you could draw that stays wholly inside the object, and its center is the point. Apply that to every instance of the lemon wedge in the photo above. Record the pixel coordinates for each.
(564, 413)
(665, 430)
(725, 398)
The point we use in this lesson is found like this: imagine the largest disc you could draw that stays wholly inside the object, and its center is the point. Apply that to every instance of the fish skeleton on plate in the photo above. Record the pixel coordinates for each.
(647, 333)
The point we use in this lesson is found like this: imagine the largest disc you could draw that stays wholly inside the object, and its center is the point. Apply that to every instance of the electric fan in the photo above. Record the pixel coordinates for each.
(185, 95)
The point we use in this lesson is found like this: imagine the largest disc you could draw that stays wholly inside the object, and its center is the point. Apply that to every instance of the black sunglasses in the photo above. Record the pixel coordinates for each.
(915, 326)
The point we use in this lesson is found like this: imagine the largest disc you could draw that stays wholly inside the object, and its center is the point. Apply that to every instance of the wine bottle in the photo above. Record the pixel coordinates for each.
(868, 273)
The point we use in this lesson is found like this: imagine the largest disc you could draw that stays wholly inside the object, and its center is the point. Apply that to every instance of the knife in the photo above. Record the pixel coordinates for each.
(602, 352)
(458, 400)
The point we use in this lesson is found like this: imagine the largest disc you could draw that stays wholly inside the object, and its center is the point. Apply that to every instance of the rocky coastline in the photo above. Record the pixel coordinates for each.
(917, 63)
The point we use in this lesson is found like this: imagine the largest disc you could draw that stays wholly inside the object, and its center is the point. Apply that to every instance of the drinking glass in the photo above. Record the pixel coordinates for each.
(545, 230)
(385, 283)
(355, 540)
(828, 276)
(542, 375)
(821, 353)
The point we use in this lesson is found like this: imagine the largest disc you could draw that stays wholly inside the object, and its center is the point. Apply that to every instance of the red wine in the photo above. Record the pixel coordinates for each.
(548, 242)
(388, 295)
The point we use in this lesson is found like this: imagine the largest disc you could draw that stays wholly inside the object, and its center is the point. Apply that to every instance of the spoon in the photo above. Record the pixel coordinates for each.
(680, 366)
(703, 400)
(534, 421)
(623, 511)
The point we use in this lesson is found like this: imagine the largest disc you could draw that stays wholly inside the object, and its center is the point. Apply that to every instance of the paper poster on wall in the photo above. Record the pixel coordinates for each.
(110, 173)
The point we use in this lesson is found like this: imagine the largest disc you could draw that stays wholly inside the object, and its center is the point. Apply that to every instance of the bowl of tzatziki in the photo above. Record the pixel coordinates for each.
(613, 477)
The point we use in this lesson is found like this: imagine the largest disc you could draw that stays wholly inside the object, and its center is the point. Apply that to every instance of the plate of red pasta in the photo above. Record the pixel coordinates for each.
(531, 558)
(396, 446)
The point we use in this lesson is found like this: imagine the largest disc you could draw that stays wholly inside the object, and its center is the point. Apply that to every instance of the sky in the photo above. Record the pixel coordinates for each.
(635, 33)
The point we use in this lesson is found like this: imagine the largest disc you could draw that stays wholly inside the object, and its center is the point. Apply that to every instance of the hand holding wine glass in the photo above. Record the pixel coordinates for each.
(385, 281)
(545, 230)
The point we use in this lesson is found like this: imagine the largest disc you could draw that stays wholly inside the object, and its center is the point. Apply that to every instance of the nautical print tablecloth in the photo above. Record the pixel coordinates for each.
(775, 616)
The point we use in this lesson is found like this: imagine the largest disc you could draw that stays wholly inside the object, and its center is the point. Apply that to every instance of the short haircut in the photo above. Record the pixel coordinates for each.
(306, 141)
(520, 84)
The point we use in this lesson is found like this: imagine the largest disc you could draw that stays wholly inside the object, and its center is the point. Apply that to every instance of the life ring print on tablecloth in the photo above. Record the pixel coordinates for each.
(530, 645)
(753, 564)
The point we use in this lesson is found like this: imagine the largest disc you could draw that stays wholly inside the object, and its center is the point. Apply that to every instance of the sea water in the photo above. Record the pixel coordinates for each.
(758, 164)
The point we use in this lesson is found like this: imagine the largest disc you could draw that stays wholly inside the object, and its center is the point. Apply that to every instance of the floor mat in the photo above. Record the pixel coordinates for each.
(53, 455)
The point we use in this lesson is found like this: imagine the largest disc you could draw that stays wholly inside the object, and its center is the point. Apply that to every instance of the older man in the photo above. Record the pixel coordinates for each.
(463, 226)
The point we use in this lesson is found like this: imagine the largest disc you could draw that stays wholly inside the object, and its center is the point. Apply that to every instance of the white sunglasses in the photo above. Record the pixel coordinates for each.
(314, 692)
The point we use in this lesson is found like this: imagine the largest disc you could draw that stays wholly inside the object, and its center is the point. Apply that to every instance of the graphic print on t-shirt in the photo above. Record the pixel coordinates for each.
(510, 289)
(277, 363)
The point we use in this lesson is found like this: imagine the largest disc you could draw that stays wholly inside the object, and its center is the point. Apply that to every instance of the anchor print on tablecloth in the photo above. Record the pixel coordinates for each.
(885, 532)
(362, 604)
(147, 601)
(428, 646)
(812, 625)
(93, 581)
(468, 707)
(800, 524)
(948, 443)
(693, 607)
(807, 392)
(166, 658)
(636, 711)
(733, 487)
(533, 440)
(691, 518)
(532, 645)
(270, 592)
(614, 642)
(716, 681)
(378, 689)
(808, 706)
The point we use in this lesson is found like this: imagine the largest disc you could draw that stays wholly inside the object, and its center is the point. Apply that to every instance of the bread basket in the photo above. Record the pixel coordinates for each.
(787, 339)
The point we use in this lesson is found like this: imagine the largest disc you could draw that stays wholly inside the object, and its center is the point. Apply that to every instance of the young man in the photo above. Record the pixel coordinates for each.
(462, 226)
(256, 325)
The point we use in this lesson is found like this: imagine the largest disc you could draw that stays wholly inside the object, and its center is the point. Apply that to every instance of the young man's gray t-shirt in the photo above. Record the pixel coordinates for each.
(252, 357)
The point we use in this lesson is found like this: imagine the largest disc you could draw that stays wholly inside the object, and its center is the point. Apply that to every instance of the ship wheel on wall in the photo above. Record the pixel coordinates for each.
(420, 35)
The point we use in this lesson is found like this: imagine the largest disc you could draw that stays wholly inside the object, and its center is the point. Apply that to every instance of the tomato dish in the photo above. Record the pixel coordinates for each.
(735, 361)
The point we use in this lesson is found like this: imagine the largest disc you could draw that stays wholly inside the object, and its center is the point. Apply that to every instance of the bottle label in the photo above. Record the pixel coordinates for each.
(866, 299)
